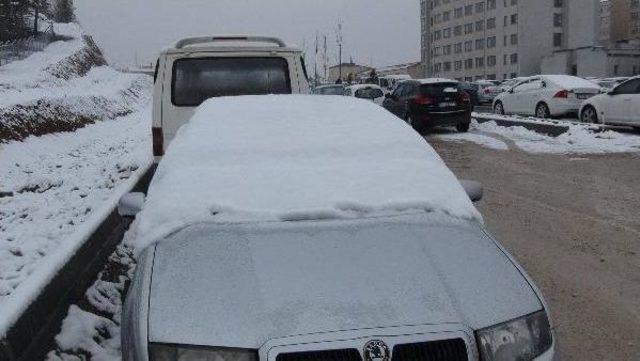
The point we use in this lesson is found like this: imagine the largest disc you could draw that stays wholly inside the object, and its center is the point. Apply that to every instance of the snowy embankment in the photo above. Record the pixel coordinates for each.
(579, 139)
(57, 188)
(63, 88)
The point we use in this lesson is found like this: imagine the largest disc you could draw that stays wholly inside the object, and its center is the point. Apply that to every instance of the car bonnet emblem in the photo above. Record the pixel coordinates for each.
(376, 350)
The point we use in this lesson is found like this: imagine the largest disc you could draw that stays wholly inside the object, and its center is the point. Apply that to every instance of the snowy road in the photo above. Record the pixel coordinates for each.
(55, 190)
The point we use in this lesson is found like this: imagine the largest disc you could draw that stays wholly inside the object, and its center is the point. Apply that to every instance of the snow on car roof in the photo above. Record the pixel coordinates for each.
(436, 80)
(363, 86)
(568, 81)
(295, 157)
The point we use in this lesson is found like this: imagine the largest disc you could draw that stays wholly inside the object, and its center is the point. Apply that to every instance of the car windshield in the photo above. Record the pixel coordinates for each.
(436, 89)
(196, 80)
(330, 90)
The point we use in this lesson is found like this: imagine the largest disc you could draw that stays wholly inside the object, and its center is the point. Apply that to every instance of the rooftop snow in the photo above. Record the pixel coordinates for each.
(295, 157)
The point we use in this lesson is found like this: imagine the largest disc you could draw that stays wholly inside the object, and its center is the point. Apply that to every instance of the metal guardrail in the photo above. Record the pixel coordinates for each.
(19, 49)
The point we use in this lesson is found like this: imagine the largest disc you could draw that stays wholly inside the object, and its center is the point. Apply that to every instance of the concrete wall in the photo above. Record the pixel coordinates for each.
(582, 23)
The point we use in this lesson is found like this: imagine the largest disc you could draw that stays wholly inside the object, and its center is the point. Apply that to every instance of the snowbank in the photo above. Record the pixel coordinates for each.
(55, 191)
(580, 139)
(295, 157)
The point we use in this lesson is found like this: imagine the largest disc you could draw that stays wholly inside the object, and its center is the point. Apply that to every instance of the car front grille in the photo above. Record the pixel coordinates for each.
(445, 350)
(348, 354)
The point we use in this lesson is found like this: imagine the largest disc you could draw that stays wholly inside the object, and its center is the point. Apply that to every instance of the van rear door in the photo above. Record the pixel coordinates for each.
(194, 79)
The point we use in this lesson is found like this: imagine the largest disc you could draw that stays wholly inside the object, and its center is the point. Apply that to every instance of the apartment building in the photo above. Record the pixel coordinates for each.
(627, 20)
(500, 39)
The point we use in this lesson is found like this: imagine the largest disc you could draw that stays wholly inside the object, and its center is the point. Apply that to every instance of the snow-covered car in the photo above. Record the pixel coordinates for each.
(196, 69)
(546, 96)
(610, 83)
(319, 228)
(331, 89)
(619, 106)
(366, 91)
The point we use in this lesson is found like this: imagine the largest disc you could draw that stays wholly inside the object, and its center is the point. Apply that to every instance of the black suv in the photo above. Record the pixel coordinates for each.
(429, 103)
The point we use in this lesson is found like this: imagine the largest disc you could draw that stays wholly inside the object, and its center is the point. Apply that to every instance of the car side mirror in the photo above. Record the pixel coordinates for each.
(131, 204)
(510, 91)
(474, 190)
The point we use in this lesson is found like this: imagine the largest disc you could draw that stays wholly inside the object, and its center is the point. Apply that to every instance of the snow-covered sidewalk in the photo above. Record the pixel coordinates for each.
(54, 191)
(579, 139)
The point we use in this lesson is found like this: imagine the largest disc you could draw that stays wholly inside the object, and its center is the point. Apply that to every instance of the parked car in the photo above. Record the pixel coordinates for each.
(610, 83)
(619, 106)
(429, 103)
(546, 96)
(366, 91)
(311, 239)
(472, 89)
(196, 69)
(332, 89)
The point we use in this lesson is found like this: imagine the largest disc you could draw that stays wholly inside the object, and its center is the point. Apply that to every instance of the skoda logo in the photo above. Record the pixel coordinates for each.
(376, 350)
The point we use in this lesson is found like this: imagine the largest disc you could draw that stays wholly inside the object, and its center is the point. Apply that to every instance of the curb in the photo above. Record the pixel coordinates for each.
(553, 130)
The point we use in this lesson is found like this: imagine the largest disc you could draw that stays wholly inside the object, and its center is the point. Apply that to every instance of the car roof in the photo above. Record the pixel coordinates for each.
(243, 43)
(296, 157)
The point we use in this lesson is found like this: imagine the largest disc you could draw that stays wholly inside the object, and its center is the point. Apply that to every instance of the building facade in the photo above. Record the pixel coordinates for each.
(500, 39)
(349, 71)
(627, 20)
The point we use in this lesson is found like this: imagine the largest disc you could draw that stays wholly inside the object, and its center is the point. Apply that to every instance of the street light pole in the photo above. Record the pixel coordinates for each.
(339, 41)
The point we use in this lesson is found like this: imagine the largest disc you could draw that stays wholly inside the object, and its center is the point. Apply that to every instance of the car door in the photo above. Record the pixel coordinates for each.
(622, 105)
(511, 99)
(530, 94)
(392, 102)
(409, 92)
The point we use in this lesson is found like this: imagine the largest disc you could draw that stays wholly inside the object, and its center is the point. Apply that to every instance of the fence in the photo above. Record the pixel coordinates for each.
(19, 49)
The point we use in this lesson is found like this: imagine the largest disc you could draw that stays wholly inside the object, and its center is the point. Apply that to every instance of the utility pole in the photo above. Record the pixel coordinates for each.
(339, 41)
(325, 59)
(315, 63)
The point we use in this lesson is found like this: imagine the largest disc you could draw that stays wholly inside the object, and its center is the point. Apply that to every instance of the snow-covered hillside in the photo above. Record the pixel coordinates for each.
(63, 88)
(58, 182)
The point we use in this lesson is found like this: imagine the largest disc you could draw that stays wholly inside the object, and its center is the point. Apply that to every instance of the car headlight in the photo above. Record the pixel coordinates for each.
(522, 339)
(159, 352)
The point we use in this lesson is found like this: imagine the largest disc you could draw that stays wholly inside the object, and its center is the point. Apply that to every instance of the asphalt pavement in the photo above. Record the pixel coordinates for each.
(573, 223)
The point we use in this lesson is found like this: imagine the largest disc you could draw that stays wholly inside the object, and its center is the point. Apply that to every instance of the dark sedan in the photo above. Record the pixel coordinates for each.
(428, 103)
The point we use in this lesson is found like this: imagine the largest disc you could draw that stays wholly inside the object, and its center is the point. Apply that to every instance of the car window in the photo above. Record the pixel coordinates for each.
(330, 90)
(629, 87)
(369, 93)
(398, 90)
(520, 87)
(436, 89)
(195, 80)
(409, 90)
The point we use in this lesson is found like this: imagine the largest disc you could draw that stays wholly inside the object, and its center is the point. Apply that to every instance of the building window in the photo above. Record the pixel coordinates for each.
(468, 28)
(479, 62)
(468, 64)
(491, 23)
(557, 39)
(479, 44)
(468, 10)
(558, 3)
(514, 19)
(491, 42)
(557, 20)
(514, 58)
(491, 60)
(480, 25)
(514, 39)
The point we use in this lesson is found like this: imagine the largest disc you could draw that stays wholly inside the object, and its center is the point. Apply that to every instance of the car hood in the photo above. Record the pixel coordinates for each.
(240, 286)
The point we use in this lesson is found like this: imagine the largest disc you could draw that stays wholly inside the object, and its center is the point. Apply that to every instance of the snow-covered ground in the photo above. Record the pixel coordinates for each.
(579, 139)
(56, 189)
(92, 328)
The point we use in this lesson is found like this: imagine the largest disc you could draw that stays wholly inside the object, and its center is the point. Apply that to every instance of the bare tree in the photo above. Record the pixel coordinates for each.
(63, 11)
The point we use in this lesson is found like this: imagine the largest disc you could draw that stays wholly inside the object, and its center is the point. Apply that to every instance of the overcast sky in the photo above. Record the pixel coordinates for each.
(381, 32)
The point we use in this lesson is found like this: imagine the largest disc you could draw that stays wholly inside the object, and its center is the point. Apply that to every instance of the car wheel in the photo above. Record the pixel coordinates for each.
(589, 115)
(463, 127)
(498, 108)
(542, 111)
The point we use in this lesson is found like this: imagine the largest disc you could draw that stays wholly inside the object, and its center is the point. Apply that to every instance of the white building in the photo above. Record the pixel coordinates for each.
(499, 39)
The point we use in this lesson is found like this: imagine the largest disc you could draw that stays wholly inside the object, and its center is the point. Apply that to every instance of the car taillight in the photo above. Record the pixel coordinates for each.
(486, 91)
(464, 97)
(158, 142)
(422, 99)
(562, 94)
